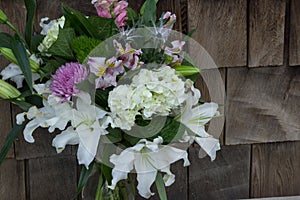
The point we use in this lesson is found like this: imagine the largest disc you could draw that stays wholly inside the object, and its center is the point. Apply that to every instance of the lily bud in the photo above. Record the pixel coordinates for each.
(186, 70)
(3, 17)
(7, 91)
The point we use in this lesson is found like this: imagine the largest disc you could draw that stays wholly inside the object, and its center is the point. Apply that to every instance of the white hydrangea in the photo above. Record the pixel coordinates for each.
(51, 31)
(151, 92)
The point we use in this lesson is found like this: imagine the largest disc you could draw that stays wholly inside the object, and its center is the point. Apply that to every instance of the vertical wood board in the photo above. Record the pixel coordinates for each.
(295, 33)
(275, 170)
(220, 29)
(227, 177)
(266, 32)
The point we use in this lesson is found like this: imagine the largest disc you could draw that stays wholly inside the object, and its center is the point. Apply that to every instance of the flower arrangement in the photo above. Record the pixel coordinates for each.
(113, 84)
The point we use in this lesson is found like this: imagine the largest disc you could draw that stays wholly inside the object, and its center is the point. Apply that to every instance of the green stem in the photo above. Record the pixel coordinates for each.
(16, 31)
(99, 193)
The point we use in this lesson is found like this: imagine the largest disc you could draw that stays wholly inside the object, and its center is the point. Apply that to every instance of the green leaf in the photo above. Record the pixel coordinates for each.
(84, 177)
(62, 46)
(51, 66)
(5, 39)
(148, 12)
(21, 56)
(31, 8)
(36, 40)
(142, 10)
(106, 171)
(132, 15)
(13, 134)
(160, 185)
(83, 45)
(114, 136)
(79, 22)
(101, 97)
(104, 27)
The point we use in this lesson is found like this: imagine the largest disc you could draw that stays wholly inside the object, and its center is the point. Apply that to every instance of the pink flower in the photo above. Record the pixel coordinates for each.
(174, 54)
(120, 13)
(103, 7)
(65, 79)
(105, 70)
(129, 56)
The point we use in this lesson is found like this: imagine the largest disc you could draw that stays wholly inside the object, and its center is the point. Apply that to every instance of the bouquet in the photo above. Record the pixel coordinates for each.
(118, 85)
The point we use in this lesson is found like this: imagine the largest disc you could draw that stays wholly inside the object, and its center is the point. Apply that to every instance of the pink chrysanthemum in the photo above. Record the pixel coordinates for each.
(65, 79)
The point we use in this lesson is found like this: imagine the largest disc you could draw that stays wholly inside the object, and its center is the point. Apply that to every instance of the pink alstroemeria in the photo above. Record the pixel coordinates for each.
(171, 20)
(105, 70)
(174, 54)
(129, 56)
(103, 7)
(121, 13)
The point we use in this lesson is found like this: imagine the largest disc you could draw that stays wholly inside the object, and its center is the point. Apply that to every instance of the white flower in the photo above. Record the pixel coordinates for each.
(147, 158)
(14, 72)
(53, 115)
(195, 119)
(151, 92)
(90, 124)
(51, 30)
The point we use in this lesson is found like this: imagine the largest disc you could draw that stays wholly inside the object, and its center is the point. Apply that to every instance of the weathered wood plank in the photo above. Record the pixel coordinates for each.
(295, 33)
(14, 16)
(52, 178)
(12, 180)
(266, 32)
(208, 77)
(221, 29)
(262, 105)
(225, 178)
(275, 169)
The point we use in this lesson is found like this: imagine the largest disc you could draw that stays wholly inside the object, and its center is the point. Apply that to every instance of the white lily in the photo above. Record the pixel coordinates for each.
(14, 72)
(195, 119)
(90, 123)
(53, 115)
(147, 158)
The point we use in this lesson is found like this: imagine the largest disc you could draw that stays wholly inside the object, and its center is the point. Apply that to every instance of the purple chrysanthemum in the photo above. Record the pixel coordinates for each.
(65, 79)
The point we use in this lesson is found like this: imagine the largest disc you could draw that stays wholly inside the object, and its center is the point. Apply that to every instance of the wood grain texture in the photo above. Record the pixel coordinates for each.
(275, 169)
(266, 32)
(14, 16)
(262, 105)
(220, 29)
(42, 147)
(52, 178)
(12, 180)
(208, 77)
(295, 33)
(227, 177)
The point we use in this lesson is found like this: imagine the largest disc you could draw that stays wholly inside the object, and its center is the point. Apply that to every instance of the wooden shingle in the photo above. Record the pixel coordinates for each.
(295, 33)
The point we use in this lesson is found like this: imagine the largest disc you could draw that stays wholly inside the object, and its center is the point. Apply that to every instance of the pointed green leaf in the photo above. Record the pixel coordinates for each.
(31, 8)
(13, 134)
(5, 39)
(160, 185)
(62, 46)
(79, 22)
(84, 177)
(149, 12)
(22, 58)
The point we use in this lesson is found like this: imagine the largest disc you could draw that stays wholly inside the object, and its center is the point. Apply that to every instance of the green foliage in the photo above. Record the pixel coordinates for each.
(51, 66)
(21, 56)
(62, 46)
(103, 27)
(148, 12)
(79, 22)
(160, 185)
(82, 46)
(13, 134)
(84, 177)
(101, 97)
(31, 8)
(5, 40)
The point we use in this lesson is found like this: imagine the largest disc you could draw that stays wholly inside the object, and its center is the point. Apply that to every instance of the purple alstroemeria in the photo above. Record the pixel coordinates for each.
(174, 53)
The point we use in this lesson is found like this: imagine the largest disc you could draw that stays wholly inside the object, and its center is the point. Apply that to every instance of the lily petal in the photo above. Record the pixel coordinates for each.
(210, 145)
(68, 136)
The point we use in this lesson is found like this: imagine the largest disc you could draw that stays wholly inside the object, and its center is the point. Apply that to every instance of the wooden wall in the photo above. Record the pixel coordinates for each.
(256, 44)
